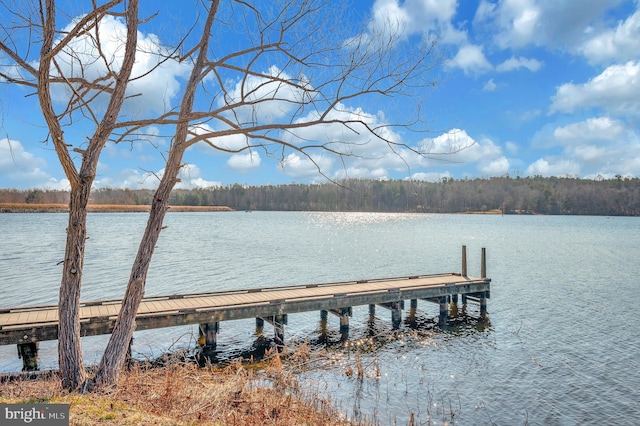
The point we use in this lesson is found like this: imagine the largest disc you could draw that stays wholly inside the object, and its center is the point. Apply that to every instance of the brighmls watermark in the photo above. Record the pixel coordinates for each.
(34, 414)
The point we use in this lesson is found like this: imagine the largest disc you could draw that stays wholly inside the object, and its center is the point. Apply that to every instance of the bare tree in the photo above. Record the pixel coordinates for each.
(290, 58)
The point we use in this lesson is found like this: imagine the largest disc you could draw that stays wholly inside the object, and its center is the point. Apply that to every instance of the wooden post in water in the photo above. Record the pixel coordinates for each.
(464, 261)
(413, 307)
(344, 323)
(372, 311)
(442, 319)
(483, 303)
(29, 354)
(279, 321)
(259, 326)
(483, 264)
(209, 335)
(483, 274)
(324, 315)
(323, 325)
(396, 314)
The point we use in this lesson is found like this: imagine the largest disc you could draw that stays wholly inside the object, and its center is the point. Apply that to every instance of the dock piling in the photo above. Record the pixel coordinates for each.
(209, 335)
(464, 261)
(278, 327)
(396, 314)
(29, 354)
(345, 313)
(483, 303)
(442, 319)
(483, 266)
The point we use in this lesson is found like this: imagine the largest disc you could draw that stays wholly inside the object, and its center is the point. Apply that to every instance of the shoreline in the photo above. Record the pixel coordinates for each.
(102, 208)
(136, 208)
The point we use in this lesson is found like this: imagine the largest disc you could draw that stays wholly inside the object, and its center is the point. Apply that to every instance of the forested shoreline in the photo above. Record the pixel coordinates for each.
(531, 195)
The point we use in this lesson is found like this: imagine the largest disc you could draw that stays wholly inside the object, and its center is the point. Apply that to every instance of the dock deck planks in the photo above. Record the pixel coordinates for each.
(39, 323)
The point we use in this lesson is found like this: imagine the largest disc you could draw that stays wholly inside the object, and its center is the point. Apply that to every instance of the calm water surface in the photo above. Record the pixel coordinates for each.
(560, 345)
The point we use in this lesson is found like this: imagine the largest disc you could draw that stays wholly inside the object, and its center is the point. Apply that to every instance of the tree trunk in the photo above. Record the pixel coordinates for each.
(115, 353)
(72, 368)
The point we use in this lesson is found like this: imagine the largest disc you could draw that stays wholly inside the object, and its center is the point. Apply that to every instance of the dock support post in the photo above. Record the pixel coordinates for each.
(324, 315)
(323, 325)
(279, 322)
(344, 323)
(209, 335)
(483, 265)
(372, 311)
(453, 306)
(412, 312)
(29, 354)
(442, 320)
(259, 325)
(483, 303)
(464, 261)
(396, 314)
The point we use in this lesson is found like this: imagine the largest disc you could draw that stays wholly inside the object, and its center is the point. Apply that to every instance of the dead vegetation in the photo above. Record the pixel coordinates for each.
(181, 393)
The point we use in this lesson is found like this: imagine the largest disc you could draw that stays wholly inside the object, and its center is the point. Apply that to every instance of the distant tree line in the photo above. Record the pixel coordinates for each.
(530, 195)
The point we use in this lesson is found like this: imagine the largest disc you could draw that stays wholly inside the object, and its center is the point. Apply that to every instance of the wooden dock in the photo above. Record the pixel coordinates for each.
(26, 326)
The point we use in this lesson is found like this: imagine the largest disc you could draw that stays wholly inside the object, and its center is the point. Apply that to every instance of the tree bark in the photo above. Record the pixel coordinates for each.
(115, 353)
(70, 358)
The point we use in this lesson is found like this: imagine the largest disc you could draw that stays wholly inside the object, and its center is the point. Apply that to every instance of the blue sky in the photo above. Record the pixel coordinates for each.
(529, 87)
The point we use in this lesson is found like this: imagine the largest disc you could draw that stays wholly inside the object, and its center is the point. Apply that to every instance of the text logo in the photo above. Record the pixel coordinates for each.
(35, 414)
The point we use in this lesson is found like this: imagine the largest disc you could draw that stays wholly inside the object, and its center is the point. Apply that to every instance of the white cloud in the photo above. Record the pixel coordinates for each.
(230, 143)
(517, 63)
(297, 166)
(353, 139)
(616, 90)
(471, 59)
(597, 146)
(489, 86)
(553, 167)
(245, 161)
(618, 44)
(14, 159)
(519, 23)
(530, 115)
(128, 178)
(430, 176)
(190, 177)
(361, 173)
(149, 91)
(267, 99)
(497, 167)
(512, 147)
(600, 128)
(589, 153)
(390, 17)
(457, 148)
(515, 21)
(21, 169)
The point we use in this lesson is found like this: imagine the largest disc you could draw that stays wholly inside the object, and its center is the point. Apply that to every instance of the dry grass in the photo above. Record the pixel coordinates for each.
(183, 394)
(101, 208)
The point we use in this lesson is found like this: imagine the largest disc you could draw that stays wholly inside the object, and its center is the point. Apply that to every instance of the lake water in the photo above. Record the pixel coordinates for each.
(560, 344)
